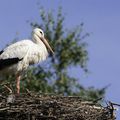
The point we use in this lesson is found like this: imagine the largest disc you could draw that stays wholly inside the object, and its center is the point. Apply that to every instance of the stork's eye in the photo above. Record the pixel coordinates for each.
(41, 32)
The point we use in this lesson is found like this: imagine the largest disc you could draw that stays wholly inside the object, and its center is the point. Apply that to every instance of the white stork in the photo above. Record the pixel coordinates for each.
(17, 57)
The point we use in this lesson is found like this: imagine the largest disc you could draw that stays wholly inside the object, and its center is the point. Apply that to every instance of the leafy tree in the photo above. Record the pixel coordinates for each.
(70, 51)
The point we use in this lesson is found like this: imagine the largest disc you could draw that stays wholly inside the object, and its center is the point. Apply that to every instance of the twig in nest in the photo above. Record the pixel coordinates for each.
(28, 92)
(98, 99)
(9, 89)
(111, 109)
(114, 104)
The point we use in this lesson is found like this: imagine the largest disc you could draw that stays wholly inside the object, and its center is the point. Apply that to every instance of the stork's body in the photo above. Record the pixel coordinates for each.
(17, 57)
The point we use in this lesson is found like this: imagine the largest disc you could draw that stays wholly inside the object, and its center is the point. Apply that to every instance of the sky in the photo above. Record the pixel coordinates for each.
(101, 19)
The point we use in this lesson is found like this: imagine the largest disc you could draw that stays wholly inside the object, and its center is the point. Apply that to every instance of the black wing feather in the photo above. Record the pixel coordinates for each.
(8, 62)
(1, 52)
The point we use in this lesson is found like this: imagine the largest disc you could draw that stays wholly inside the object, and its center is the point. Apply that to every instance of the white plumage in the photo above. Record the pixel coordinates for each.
(29, 52)
(18, 56)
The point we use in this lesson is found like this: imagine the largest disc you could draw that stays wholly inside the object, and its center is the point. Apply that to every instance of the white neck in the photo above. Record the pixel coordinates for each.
(42, 47)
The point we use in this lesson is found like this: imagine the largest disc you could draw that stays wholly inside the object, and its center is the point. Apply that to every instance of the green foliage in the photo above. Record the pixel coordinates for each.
(70, 51)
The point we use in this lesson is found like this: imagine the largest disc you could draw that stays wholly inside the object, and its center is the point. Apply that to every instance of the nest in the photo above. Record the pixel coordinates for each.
(51, 107)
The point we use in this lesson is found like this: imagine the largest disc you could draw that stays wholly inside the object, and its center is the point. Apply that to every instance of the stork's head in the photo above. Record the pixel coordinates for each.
(38, 35)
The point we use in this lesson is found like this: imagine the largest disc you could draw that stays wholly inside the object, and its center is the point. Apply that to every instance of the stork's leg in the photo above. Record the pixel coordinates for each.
(18, 77)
